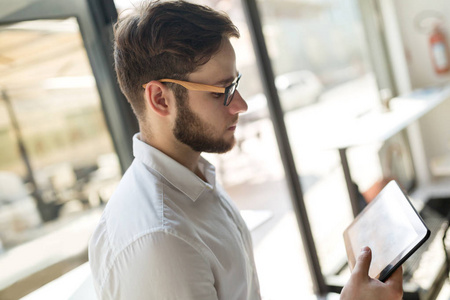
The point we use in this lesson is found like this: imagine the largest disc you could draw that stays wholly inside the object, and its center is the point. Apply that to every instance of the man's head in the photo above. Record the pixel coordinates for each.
(166, 39)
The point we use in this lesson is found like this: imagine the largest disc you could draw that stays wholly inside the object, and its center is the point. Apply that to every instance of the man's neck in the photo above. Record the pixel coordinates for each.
(179, 152)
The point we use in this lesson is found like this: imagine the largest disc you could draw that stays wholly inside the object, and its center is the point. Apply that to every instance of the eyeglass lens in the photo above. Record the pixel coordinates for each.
(229, 94)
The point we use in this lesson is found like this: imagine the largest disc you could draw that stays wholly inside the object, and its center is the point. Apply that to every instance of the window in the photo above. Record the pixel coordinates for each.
(57, 161)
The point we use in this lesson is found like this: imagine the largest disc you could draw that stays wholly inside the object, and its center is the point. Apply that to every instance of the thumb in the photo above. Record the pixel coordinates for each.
(363, 262)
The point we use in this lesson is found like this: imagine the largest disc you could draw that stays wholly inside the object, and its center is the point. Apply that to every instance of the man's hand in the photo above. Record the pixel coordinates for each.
(361, 286)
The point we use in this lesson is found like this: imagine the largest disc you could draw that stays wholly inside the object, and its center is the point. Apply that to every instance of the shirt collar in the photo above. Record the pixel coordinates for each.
(177, 174)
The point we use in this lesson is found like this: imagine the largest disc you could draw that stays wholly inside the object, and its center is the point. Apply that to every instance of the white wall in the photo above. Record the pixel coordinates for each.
(435, 126)
(416, 43)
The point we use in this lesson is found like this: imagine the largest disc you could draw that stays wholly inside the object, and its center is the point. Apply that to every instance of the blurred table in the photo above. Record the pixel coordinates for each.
(378, 126)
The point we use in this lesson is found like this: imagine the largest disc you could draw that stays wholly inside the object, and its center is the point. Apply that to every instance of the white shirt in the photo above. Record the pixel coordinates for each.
(167, 234)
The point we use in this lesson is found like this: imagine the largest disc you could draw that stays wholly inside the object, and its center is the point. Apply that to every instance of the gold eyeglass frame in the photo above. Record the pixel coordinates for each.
(193, 86)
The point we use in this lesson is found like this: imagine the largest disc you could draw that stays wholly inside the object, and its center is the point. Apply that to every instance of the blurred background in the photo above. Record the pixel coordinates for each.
(363, 87)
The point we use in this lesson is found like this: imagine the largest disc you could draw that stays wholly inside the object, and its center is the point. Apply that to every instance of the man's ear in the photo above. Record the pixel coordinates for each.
(159, 98)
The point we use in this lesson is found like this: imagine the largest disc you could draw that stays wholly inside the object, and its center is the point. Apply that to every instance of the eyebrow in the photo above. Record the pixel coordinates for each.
(227, 81)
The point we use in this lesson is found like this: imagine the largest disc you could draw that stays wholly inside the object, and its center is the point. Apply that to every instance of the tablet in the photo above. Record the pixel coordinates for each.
(391, 227)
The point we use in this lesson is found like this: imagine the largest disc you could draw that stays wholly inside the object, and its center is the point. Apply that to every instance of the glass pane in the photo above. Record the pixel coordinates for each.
(323, 77)
(57, 162)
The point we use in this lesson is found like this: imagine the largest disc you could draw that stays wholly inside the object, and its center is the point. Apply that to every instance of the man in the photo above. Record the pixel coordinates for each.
(170, 231)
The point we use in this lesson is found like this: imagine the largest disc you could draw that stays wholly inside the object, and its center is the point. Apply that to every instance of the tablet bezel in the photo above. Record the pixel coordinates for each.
(390, 191)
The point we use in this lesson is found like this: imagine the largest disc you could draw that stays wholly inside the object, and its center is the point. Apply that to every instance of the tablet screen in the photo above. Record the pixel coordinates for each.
(391, 227)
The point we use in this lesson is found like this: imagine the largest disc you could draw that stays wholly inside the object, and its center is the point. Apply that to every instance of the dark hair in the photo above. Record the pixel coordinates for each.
(165, 39)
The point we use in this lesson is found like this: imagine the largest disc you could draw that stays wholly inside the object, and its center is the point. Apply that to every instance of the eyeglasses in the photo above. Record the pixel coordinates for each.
(227, 91)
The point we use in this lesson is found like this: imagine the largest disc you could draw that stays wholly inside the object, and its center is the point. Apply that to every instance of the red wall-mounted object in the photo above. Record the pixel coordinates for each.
(439, 51)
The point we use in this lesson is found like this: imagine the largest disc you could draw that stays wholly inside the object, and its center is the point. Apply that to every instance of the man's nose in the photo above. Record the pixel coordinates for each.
(238, 105)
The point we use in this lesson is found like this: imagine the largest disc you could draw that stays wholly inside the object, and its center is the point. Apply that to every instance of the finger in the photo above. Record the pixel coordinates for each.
(396, 279)
(363, 262)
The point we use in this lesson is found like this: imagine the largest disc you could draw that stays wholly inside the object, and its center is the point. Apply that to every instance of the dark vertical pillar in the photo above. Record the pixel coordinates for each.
(284, 147)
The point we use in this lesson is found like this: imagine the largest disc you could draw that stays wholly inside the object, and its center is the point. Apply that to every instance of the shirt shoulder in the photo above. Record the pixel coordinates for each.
(136, 206)
(141, 207)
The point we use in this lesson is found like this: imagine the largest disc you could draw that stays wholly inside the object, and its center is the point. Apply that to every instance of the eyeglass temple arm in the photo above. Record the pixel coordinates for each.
(193, 86)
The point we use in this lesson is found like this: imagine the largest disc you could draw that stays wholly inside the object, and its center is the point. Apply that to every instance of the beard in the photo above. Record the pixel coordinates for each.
(192, 131)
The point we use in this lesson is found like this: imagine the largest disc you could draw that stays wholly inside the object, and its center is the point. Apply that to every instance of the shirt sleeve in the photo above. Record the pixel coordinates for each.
(160, 266)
